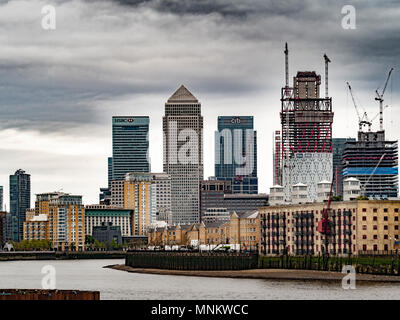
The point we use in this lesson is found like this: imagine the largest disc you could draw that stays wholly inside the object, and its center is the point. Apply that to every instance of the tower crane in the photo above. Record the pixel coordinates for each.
(379, 97)
(362, 120)
(364, 186)
(372, 120)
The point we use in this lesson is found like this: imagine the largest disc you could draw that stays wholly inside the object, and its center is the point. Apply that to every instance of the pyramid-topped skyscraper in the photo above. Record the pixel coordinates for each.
(183, 154)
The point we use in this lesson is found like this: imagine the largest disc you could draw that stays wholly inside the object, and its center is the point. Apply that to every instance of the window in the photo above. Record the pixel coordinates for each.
(385, 227)
(375, 227)
(364, 209)
(375, 218)
(364, 227)
(375, 236)
(364, 218)
(385, 218)
(375, 210)
(364, 236)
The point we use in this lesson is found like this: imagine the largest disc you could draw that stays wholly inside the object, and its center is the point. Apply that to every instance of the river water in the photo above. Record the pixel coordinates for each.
(115, 284)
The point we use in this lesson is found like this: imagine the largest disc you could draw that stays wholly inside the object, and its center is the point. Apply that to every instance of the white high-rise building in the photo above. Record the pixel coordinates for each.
(183, 154)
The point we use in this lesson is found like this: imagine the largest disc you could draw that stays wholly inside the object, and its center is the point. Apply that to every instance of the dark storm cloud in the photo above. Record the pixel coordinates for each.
(110, 57)
(224, 7)
(104, 49)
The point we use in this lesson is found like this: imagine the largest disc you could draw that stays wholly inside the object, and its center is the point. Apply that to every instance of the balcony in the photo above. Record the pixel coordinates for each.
(347, 213)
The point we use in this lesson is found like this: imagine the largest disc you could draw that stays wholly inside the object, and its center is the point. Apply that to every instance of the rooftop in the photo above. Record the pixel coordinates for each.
(182, 95)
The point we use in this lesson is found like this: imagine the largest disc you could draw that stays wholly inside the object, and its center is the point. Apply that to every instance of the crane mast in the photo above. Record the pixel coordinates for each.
(327, 60)
(379, 97)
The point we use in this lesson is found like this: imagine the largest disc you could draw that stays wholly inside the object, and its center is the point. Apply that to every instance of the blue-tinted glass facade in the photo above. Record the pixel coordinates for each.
(236, 153)
(130, 146)
(20, 200)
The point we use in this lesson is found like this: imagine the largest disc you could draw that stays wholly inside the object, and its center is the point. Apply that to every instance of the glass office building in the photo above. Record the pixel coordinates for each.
(236, 153)
(20, 200)
(130, 146)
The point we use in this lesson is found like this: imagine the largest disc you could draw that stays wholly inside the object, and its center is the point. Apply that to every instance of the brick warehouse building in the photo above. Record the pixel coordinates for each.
(358, 227)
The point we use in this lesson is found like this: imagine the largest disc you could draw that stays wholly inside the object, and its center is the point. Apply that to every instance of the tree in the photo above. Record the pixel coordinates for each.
(362, 198)
(89, 239)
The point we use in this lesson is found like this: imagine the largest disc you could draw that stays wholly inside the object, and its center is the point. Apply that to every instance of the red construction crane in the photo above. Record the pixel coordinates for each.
(324, 224)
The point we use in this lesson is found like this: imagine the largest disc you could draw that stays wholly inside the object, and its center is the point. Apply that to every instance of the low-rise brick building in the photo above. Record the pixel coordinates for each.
(357, 227)
(242, 231)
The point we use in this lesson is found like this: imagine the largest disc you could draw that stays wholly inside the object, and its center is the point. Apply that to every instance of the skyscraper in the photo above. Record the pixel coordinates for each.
(338, 145)
(236, 153)
(374, 161)
(140, 195)
(1, 198)
(110, 173)
(183, 154)
(130, 146)
(306, 120)
(20, 200)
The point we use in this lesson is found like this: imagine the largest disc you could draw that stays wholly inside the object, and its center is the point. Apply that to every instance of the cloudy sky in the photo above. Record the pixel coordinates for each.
(60, 88)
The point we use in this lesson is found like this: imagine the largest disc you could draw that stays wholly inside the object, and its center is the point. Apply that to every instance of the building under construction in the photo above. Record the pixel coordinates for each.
(277, 158)
(374, 162)
(306, 120)
(338, 149)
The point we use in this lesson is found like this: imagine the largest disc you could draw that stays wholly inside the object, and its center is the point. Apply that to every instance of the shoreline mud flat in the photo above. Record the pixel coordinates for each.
(268, 274)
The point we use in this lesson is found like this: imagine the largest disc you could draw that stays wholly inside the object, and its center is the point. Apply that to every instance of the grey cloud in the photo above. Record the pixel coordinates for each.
(113, 56)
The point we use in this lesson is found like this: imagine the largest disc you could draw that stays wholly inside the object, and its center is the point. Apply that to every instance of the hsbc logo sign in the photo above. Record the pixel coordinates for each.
(130, 120)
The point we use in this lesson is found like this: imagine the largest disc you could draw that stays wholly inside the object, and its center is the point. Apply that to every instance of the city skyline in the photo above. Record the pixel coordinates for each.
(62, 140)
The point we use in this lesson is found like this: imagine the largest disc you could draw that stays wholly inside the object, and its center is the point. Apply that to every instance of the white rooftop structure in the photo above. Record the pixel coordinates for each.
(351, 188)
(276, 195)
(299, 193)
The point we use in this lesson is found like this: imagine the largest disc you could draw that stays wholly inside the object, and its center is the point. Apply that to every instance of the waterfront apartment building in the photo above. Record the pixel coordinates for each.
(20, 200)
(357, 227)
(236, 153)
(140, 195)
(374, 162)
(66, 219)
(130, 145)
(183, 154)
(241, 232)
(338, 146)
(36, 227)
(162, 182)
(97, 215)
